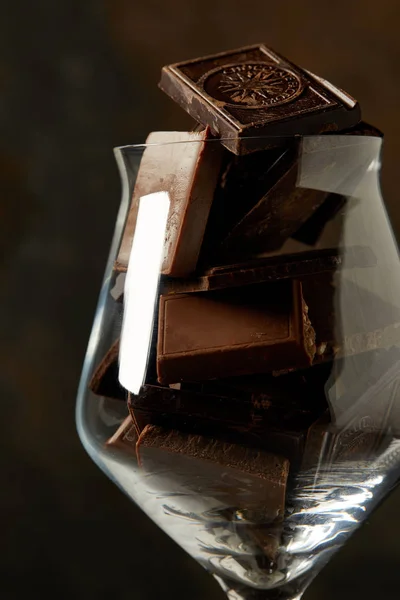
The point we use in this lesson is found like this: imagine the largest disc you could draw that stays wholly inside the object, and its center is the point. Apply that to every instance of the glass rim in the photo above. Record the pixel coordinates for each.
(283, 140)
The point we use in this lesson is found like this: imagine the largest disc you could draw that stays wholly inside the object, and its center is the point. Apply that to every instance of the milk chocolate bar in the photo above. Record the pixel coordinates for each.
(272, 268)
(186, 165)
(125, 437)
(253, 92)
(247, 480)
(246, 330)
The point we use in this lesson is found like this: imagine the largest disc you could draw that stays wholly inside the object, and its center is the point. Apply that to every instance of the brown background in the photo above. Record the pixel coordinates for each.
(77, 78)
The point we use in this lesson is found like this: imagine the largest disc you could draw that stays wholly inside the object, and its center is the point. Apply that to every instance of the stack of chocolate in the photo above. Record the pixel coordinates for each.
(245, 330)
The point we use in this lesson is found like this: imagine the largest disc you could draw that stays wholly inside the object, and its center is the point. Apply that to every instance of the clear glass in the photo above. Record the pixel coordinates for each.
(351, 459)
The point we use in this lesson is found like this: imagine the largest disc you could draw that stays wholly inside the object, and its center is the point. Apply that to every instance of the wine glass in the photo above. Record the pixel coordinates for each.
(339, 429)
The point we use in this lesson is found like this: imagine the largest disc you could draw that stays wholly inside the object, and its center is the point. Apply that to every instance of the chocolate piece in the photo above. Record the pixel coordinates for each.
(348, 319)
(117, 290)
(125, 437)
(268, 539)
(277, 215)
(326, 445)
(272, 268)
(362, 128)
(371, 398)
(249, 481)
(104, 381)
(186, 165)
(365, 406)
(266, 391)
(310, 231)
(265, 198)
(250, 402)
(316, 442)
(246, 330)
(209, 413)
(244, 181)
(262, 411)
(253, 91)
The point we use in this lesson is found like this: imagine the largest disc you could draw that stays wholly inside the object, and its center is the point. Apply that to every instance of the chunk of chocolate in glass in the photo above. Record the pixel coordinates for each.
(104, 381)
(247, 480)
(125, 438)
(186, 165)
(272, 268)
(252, 329)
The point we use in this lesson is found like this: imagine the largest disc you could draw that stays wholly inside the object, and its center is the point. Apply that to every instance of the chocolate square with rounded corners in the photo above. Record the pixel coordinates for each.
(246, 94)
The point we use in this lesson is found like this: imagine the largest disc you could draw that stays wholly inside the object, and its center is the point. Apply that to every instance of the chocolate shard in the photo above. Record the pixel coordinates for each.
(105, 381)
(273, 268)
(125, 438)
(249, 481)
(246, 330)
(253, 92)
(186, 165)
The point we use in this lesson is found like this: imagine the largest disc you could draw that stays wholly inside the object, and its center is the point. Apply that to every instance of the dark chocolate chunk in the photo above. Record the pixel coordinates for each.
(263, 411)
(254, 92)
(104, 381)
(125, 438)
(272, 268)
(186, 165)
(244, 182)
(365, 407)
(277, 215)
(370, 392)
(327, 445)
(251, 482)
(265, 198)
(268, 539)
(362, 128)
(254, 329)
(310, 231)
(348, 318)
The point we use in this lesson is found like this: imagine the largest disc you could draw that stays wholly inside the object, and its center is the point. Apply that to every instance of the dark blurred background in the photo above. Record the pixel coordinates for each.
(77, 78)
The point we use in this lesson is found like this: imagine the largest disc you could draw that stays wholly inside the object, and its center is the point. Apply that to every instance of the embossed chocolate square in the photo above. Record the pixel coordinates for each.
(249, 94)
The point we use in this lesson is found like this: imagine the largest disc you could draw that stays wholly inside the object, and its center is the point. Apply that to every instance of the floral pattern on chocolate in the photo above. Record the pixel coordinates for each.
(253, 85)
